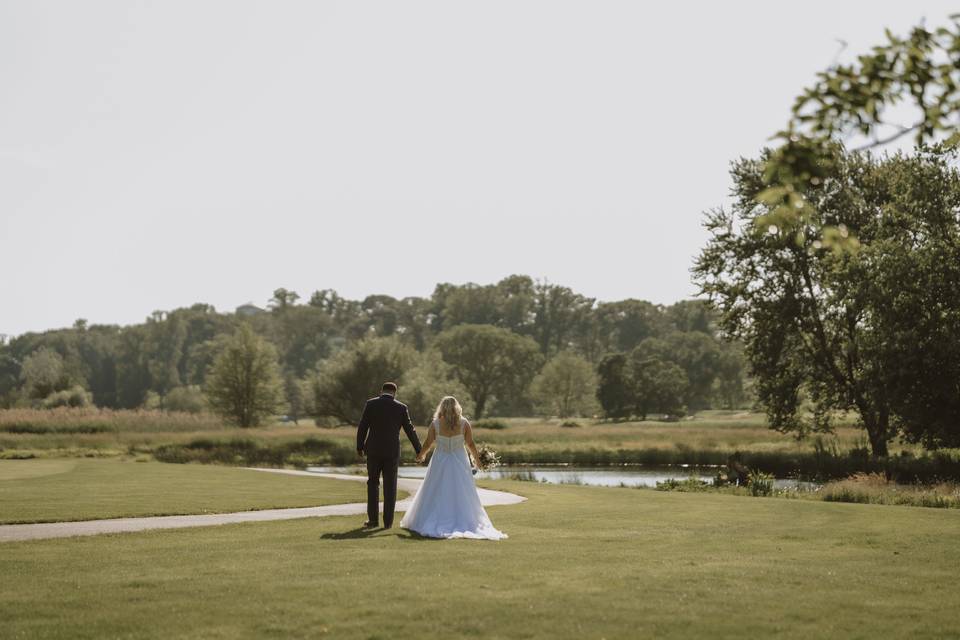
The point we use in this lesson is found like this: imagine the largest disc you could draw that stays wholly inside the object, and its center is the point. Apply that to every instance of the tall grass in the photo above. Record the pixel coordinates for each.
(247, 452)
(805, 464)
(708, 439)
(67, 420)
(864, 488)
(876, 488)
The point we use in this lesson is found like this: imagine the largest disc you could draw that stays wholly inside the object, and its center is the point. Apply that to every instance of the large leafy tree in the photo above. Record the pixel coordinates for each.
(345, 381)
(640, 383)
(697, 354)
(621, 326)
(426, 383)
(43, 373)
(489, 361)
(615, 385)
(283, 299)
(729, 389)
(566, 386)
(691, 315)
(244, 383)
(914, 280)
(658, 386)
(163, 350)
(560, 316)
(301, 335)
(508, 304)
(828, 331)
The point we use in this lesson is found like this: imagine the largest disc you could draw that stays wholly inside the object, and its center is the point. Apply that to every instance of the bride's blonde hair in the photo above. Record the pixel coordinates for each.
(448, 413)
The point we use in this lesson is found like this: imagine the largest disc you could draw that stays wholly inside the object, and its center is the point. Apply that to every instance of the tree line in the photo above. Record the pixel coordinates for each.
(517, 347)
(829, 331)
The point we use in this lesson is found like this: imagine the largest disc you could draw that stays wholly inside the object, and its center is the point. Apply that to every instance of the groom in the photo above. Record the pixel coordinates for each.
(378, 437)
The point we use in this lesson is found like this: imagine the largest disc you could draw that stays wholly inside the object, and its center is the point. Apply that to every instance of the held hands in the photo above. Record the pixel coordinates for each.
(421, 457)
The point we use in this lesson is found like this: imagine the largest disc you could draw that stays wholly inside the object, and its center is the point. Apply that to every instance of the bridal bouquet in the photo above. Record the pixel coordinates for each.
(488, 458)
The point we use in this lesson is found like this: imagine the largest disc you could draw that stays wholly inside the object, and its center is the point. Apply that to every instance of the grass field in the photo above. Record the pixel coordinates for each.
(708, 438)
(581, 562)
(119, 431)
(722, 431)
(56, 490)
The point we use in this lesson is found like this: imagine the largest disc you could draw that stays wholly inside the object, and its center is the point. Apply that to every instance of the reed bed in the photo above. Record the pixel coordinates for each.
(876, 488)
(710, 438)
(69, 420)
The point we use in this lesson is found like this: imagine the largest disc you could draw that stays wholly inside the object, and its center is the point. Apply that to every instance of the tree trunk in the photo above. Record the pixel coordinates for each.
(877, 431)
(480, 405)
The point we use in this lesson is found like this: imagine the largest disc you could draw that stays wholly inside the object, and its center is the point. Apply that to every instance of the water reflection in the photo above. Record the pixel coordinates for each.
(594, 476)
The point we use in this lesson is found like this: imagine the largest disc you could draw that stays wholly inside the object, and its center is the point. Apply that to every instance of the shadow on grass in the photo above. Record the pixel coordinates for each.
(353, 534)
(364, 532)
(413, 536)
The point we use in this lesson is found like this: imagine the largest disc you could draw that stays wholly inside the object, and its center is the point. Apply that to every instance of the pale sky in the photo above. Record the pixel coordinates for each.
(158, 154)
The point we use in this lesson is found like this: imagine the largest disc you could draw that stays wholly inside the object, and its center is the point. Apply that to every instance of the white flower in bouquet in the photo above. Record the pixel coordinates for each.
(488, 458)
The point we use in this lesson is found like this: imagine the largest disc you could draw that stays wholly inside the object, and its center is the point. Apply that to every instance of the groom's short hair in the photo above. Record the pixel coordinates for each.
(389, 387)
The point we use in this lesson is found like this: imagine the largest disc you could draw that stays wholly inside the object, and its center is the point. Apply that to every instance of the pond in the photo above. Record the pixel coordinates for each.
(630, 476)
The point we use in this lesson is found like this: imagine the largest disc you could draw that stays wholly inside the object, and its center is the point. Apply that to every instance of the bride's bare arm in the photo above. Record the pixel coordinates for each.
(431, 438)
(468, 440)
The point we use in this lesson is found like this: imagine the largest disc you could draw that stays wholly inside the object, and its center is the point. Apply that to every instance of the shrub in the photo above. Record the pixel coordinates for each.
(761, 484)
(76, 396)
(95, 420)
(724, 476)
(152, 401)
(490, 424)
(186, 399)
(246, 452)
(687, 485)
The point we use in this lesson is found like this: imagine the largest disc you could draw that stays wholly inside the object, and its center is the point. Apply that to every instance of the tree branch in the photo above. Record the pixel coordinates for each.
(896, 136)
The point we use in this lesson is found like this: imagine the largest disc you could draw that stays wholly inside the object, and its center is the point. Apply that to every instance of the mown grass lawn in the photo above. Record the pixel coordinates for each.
(84, 489)
(581, 562)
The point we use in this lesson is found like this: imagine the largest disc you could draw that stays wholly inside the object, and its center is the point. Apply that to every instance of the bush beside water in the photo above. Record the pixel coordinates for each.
(761, 484)
(875, 488)
(814, 465)
(249, 452)
(687, 485)
(863, 488)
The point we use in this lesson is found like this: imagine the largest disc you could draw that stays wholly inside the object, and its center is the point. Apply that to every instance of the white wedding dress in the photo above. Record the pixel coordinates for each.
(447, 504)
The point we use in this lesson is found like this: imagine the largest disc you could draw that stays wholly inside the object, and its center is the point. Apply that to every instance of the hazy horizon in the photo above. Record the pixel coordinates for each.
(156, 157)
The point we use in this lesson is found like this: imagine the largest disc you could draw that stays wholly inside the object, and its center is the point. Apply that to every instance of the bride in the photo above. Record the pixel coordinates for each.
(447, 504)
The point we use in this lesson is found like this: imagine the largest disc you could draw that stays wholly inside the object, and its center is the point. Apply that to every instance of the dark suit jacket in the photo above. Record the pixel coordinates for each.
(378, 433)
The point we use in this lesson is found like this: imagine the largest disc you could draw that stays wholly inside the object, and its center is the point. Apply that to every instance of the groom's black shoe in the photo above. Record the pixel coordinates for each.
(369, 525)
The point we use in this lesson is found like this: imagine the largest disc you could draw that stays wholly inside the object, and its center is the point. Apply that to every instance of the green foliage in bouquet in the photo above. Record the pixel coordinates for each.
(488, 458)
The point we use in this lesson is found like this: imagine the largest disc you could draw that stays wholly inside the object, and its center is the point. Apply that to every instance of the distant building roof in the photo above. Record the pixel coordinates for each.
(249, 309)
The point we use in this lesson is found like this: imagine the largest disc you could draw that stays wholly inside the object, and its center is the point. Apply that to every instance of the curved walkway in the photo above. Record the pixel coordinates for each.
(40, 531)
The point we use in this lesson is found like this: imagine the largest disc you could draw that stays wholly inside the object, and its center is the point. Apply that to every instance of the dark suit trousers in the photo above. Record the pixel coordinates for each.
(387, 466)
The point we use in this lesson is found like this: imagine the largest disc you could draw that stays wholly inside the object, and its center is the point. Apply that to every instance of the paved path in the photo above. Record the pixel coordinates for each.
(15, 532)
